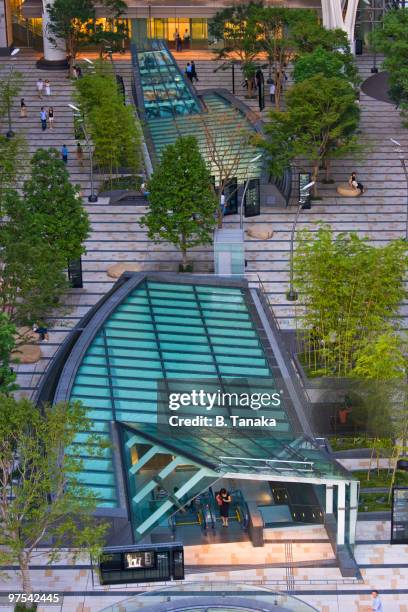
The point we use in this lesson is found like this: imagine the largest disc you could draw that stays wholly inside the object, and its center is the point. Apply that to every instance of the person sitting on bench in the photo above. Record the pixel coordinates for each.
(355, 184)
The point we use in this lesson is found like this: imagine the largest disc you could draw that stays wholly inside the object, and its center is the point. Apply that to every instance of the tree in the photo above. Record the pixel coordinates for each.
(74, 22)
(58, 216)
(32, 274)
(391, 39)
(41, 495)
(272, 26)
(10, 87)
(12, 162)
(351, 292)
(236, 31)
(319, 124)
(308, 34)
(327, 63)
(113, 127)
(225, 148)
(182, 204)
(7, 344)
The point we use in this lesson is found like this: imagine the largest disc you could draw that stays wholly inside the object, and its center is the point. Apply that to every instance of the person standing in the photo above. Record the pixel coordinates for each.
(179, 46)
(23, 108)
(376, 604)
(194, 72)
(43, 117)
(272, 89)
(189, 72)
(64, 154)
(51, 118)
(47, 88)
(223, 499)
(186, 39)
(40, 87)
(79, 153)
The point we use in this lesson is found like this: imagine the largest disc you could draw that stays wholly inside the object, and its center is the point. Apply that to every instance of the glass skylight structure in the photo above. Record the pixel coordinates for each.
(172, 331)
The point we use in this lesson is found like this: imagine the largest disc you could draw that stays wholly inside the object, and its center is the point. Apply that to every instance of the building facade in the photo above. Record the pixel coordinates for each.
(24, 22)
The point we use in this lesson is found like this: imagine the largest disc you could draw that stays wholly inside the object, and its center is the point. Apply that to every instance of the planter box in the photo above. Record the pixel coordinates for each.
(327, 389)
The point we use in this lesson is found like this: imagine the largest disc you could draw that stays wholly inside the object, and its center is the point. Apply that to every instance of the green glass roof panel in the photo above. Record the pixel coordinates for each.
(182, 332)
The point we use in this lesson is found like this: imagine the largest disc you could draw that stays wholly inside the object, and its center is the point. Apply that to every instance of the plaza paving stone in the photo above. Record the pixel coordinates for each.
(116, 236)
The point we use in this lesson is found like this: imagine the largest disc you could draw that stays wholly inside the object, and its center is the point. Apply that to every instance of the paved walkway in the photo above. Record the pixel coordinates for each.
(117, 236)
(382, 566)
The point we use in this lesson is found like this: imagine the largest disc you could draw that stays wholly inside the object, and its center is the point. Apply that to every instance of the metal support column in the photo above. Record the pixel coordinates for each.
(341, 513)
(353, 511)
(329, 499)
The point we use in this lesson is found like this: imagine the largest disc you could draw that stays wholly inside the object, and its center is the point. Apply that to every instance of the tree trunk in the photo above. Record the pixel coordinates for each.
(315, 176)
(183, 249)
(327, 168)
(25, 573)
(219, 216)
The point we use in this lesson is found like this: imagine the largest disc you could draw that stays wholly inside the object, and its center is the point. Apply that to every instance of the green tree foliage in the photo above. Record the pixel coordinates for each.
(352, 292)
(319, 124)
(234, 28)
(12, 162)
(49, 502)
(308, 34)
(57, 214)
(74, 22)
(327, 63)
(11, 83)
(114, 129)
(273, 27)
(7, 344)
(182, 202)
(391, 39)
(33, 275)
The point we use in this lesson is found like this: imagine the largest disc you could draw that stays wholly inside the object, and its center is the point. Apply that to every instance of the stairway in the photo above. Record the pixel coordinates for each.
(61, 95)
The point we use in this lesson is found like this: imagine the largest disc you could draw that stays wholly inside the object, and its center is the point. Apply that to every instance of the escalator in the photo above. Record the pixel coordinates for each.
(239, 509)
(203, 512)
(200, 512)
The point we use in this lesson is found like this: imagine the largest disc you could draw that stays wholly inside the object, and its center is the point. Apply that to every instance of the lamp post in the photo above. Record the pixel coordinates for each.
(405, 169)
(369, 3)
(10, 132)
(92, 197)
(241, 212)
(292, 295)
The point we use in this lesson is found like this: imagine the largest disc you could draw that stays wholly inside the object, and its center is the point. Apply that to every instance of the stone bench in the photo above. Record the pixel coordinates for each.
(30, 351)
(347, 191)
(260, 231)
(116, 270)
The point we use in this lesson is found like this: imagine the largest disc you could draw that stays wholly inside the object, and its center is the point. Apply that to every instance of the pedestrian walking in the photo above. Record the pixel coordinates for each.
(376, 605)
(47, 88)
(75, 72)
(79, 72)
(23, 108)
(43, 117)
(51, 118)
(194, 76)
(79, 153)
(189, 72)
(223, 499)
(40, 87)
(64, 154)
(272, 90)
